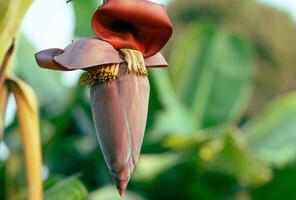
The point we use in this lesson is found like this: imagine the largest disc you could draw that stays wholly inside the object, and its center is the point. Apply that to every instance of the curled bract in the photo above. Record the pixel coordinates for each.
(88, 53)
(134, 24)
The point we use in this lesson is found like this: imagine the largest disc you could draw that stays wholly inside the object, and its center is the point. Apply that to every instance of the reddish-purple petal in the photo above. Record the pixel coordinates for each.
(45, 59)
(156, 60)
(86, 53)
(111, 125)
(134, 91)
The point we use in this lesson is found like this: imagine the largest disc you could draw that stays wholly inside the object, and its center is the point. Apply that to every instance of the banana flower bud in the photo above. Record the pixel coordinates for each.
(130, 35)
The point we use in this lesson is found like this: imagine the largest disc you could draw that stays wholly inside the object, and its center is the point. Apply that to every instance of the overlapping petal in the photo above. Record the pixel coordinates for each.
(45, 59)
(119, 111)
(86, 53)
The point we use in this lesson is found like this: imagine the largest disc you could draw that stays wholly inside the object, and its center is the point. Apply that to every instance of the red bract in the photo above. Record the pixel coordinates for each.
(134, 24)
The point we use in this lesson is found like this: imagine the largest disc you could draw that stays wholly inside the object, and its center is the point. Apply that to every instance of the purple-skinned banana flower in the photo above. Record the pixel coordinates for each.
(116, 70)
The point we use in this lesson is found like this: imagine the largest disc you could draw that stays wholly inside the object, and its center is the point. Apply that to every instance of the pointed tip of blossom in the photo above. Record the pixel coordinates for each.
(121, 187)
(121, 179)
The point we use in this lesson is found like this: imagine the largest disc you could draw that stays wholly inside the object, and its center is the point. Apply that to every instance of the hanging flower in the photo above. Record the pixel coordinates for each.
(130, 35)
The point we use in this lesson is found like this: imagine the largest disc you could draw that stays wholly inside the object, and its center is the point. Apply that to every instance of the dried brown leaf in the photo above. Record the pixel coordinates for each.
(3, 101)
(27, 111)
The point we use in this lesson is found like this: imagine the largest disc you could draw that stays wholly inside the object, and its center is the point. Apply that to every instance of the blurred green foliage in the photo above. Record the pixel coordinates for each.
(207, 136)
(70, 188)
(271, 32)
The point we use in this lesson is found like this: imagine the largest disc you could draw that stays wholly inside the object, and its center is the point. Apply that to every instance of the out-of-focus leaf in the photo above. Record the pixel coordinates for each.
(150, 165)
(272, 133)
(28, 116)
(211, 74)
(47, 83)
(68, 189)
(11, 14)
(3, 101)
(14, 174)
(183, 142)
(110, 193)
(282, 185)
(231, 156)
(175, 117)
(3, 11)
(83, 14)
(175, 120)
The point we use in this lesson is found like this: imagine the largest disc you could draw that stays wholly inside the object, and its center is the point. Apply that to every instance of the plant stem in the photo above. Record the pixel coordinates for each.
(5, 64)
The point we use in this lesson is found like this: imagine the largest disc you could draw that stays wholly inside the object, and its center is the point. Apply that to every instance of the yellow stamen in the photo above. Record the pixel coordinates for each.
(135, 64)
(135, 61)
(100, 75)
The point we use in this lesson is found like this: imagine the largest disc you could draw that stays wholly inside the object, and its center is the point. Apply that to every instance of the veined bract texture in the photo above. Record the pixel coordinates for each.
(119, 109)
